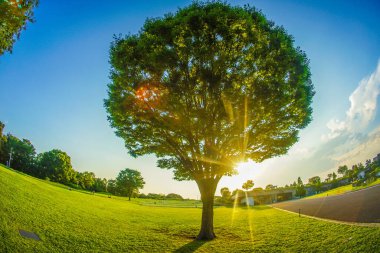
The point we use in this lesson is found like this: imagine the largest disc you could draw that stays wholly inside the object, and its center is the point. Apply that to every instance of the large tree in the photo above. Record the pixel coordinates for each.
(14, 15)
(129, 181)
(208, 87)
(55, 165)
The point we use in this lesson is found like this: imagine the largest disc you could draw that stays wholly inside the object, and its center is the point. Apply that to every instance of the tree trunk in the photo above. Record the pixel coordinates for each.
(207, 189)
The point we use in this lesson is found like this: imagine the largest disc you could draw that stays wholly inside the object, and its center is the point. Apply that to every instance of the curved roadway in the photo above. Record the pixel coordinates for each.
(357, 206)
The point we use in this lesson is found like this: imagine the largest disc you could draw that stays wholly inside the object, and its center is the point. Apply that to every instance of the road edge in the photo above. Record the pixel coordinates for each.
(359, 224)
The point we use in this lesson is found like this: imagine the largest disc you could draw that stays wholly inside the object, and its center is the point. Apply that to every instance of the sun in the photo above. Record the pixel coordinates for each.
(246, 170)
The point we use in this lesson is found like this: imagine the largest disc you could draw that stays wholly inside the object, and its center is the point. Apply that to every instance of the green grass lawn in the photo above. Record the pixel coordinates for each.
(343, 189)
(72, 221)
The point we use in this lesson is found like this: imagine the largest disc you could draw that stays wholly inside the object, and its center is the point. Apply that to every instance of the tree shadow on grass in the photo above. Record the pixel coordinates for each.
(191, 246)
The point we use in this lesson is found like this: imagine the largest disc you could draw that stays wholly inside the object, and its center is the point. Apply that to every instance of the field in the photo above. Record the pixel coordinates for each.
(343, 189)
(72, 221)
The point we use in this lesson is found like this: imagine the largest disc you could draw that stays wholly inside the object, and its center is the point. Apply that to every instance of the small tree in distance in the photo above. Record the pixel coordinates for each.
(206, 88)
(248, 185)
(300, 188)
(226, 195)
(129, 181)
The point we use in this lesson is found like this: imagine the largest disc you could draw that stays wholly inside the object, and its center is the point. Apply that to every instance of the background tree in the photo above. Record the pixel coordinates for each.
(226, 195)
(174, 196)
(129, 181)
(300, 188)
(355, 171)
(237, 192)
(14, 16)
(342, 170)
(3, 139)
(111, 186)
(86, 180)
(55, 165)
(100, 185)
(316, 183)
(329, 177)
(23, 153)
(208, 87)
(248, 185)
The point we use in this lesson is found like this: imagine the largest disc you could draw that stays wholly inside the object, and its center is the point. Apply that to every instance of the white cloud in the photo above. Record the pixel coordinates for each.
(362, 110)
(336, 128)
(366, 150)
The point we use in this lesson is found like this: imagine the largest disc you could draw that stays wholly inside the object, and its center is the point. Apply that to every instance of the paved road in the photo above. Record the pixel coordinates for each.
(358, 206)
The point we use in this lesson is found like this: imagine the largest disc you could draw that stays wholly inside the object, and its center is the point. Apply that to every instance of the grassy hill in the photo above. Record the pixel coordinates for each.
(343, 189)
(72, 221)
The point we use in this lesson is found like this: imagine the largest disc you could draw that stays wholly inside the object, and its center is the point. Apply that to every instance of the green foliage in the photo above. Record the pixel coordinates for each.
(55, 165)
(111, 186)
(209, 64)
(86, 180)
(343, 170)
(129, 181)
(225, 192)
(14, 15)
(71, 221)
(315, 180)
(174, 196)
(226, 195)
(208, 87)
(316, 183)
(300, 188)
(21, 153)
(155, 196)
(100, 185)
(248, 185)
(3, 139)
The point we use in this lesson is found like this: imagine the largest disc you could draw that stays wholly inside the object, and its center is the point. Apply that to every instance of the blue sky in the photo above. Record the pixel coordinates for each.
(53, 84)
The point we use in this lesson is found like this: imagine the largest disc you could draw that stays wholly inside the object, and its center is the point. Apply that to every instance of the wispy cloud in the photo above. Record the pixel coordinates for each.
(367, 149)
(362, 110)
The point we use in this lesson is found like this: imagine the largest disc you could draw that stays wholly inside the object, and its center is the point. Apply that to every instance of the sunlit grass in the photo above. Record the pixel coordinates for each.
(71, 221)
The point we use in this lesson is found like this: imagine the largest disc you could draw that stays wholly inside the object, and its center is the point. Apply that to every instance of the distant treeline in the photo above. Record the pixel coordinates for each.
(55, 165)
(160, 196)
(359, 174)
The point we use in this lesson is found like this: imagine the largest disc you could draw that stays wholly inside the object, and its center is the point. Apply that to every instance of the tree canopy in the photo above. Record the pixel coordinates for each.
(20, 153)
(209, 65)
(14, 16)
(129, 181)
(248, 185)
(55, 165)
(208, 87)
